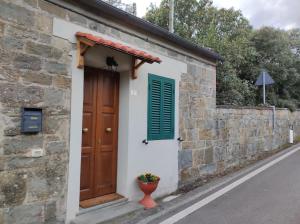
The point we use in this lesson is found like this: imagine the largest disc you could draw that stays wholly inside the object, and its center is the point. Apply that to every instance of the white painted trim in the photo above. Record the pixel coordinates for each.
(134, 157)
(73, 191)
(67, 30)
(177, 217)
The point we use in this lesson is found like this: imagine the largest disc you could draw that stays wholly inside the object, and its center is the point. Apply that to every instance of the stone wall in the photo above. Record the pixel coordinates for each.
(246, 133)
(34, 72)
(197, 108)
(234, 137)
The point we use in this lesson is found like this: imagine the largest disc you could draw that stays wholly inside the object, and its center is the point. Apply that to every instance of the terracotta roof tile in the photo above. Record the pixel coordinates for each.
(120, 47)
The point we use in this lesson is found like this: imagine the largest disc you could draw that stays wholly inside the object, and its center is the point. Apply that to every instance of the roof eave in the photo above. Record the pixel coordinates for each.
(102, 8)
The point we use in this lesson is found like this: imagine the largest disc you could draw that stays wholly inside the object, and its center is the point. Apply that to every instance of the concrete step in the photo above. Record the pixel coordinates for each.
(106, 212)
(97, 207)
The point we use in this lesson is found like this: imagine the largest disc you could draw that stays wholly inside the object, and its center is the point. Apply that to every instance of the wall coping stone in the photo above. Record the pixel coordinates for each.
(250, 107)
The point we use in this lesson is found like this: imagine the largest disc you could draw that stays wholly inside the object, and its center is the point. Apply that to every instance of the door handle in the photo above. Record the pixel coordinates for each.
(85, 130)
(108, 130)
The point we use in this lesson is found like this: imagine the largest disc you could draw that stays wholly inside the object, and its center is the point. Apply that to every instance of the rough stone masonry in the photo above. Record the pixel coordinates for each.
(34, 72)
(220, 138)
(237, 136)
(217, 139)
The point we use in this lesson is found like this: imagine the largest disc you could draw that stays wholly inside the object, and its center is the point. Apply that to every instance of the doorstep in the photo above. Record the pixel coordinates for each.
(106, 212)
(100, 200)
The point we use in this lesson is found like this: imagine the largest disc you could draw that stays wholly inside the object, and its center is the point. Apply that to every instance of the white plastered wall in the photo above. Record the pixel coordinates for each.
(158, 157)
(134, 157)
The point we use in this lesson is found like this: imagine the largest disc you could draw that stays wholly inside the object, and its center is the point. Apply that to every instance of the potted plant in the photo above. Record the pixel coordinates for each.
(148, 183)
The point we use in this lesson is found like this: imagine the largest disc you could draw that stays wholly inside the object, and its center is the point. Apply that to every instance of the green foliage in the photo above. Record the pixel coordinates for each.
(276, 51)
(294, 36)
(246, 51)
(158, 16)
(148, 178)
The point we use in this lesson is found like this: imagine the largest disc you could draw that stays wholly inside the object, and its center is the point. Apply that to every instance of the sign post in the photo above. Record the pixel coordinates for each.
(263, 80)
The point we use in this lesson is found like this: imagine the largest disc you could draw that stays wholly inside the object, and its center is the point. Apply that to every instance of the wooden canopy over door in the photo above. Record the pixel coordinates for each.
(99, 133)
(86, 40)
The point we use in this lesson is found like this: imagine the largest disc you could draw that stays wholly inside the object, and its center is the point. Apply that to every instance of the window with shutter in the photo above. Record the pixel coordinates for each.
(161, 106)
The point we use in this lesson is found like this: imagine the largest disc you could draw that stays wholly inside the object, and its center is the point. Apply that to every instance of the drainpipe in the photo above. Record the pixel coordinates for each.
(273, 118)
(171, 16)
(264, 87)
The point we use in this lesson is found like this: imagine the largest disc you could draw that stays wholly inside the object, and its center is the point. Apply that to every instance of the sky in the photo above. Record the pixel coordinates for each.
(278, 13)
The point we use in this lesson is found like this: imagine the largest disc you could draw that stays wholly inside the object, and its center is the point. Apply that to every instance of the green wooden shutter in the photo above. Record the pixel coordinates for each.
(154, 108)
(161, 106)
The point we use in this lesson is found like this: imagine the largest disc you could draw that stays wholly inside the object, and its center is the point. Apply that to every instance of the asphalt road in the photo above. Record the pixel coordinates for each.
(270, 197)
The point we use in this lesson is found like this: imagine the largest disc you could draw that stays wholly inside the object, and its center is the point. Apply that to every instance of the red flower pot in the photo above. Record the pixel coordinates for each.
(148, 188)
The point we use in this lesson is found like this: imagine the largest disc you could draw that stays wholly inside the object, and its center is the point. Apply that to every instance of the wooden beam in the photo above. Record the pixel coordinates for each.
(83, 49)
(135, 66)
(86, 41)
(82, 46)
(139, 64)
(80, 58)
(133, 74)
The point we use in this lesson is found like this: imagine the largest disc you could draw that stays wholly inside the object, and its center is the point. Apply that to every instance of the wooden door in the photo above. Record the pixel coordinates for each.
(99, 133)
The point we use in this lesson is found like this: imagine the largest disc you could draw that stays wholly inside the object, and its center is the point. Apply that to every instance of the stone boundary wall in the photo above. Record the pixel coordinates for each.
(245, 133)
(237, 136)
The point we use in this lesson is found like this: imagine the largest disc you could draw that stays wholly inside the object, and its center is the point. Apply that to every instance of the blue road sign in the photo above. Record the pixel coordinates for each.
(268, 79)
(263, 80)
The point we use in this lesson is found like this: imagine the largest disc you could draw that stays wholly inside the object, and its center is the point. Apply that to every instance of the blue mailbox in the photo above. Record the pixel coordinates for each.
(32, 119)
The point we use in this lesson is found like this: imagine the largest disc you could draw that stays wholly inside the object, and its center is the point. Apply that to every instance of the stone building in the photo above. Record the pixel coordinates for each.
(92, 96)
(84, 87)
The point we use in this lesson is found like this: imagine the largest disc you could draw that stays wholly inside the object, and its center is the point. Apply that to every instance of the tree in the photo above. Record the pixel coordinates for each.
(294, 37)
(225, 31)
(187, 16)
(246, 51)
(275, 52)
(130, 8)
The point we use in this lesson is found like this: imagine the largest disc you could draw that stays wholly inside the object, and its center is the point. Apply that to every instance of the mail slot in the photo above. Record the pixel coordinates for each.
(31, 120)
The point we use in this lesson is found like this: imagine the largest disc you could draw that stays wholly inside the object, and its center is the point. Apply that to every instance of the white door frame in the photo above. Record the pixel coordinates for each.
(67, 30)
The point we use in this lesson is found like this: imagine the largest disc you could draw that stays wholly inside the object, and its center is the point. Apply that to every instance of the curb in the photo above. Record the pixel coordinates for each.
(185, 200)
